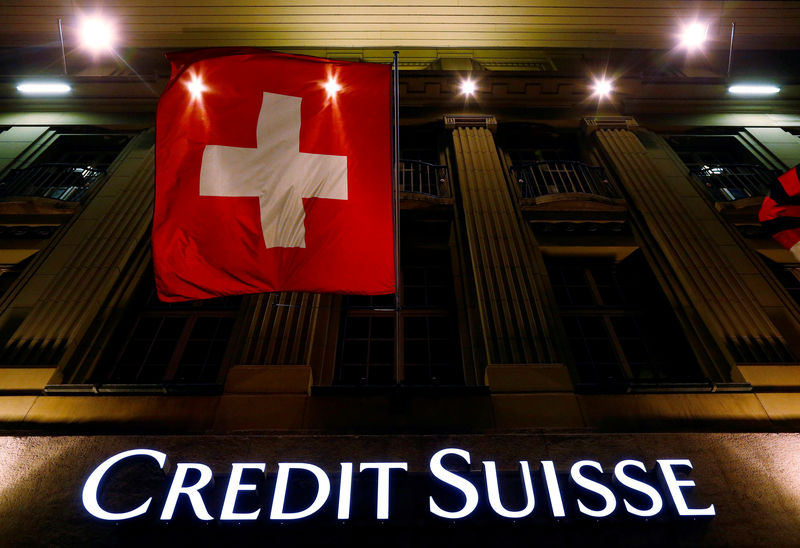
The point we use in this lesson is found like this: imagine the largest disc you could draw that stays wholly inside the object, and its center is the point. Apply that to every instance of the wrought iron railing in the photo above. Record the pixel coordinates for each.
(729, 182)
(562, 177)
(66, 182)
(423, 178)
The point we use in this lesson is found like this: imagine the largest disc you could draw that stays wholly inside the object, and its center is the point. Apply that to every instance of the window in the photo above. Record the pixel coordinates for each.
(788, 275)
(421, 170)
(698, 150)
(620, 327)
(68, 168)
(525, 144)
(430, 352)
(724, 165)
(171, 342)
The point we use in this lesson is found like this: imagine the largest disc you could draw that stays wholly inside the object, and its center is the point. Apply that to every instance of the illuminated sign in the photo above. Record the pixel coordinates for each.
(456, 492)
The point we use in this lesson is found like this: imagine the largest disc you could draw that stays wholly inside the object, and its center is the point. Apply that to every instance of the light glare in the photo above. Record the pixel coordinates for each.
(602, 88)
(196, 87)
(97, 34)
(753, 89)
(468, 87)
(44, 88)
(693, 35)
(332, 86)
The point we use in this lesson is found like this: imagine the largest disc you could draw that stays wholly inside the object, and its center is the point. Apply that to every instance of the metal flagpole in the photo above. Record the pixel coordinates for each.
(63, 52)
(730, 49)
(396, 185)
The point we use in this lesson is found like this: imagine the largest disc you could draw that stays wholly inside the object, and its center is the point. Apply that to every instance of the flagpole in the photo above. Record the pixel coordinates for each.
(396, 184)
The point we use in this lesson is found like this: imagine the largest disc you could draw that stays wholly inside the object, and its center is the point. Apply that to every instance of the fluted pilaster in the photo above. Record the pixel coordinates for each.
(698, 248)
(515, 310)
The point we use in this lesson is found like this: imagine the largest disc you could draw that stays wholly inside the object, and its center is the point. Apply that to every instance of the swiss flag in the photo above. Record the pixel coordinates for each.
(273, 173)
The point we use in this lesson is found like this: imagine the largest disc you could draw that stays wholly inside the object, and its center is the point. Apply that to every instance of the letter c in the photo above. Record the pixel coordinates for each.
(93, 483)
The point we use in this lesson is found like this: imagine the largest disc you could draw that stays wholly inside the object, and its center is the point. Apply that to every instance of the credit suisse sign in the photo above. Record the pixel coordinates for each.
(303, 491)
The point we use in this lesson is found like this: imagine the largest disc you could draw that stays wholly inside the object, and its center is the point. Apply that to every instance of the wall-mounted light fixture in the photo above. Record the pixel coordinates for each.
(97, 34)
(753, 89)
(468, 87)
(44, 88)
(602, 88)
(694, 35)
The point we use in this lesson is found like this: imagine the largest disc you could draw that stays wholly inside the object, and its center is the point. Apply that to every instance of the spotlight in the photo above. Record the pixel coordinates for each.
(43, 88)
(332, 86)
(694, 35)
(468, 87)
(97, 34)
(196, 87)
(753, 89)
(602, 88)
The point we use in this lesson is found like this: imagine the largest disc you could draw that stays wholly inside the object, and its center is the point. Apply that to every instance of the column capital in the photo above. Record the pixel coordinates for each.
(455, 121)
(593, 123)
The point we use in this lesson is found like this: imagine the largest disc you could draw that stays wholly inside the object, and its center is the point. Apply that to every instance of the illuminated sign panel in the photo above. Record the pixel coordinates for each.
(455, 491)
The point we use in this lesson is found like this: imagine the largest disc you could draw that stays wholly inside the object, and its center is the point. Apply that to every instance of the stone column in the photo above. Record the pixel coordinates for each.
(81, 273)
(517, 313)
(721, 289)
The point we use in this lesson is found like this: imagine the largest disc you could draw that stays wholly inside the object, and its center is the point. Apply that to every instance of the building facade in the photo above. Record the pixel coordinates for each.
(582, 278)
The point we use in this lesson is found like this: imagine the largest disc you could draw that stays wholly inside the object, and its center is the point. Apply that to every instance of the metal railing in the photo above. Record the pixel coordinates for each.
(66, 182)
(730, 182)
(562, 177)
(424, 178)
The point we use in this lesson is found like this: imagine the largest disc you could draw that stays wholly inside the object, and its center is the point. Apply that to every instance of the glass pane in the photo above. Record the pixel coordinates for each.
(416, 328)
(381, 352)
(416, 352)
(382, 328)
(356, 327)
(147, 328)
(381, 374)
(354, 352)
(205, 328)
(353, 374)
(161, 352)
(196, 352)
(171, 328)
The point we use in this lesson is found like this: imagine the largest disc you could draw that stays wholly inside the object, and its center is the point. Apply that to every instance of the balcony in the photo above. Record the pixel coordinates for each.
(424, 182)
(732, 182)
(63, 182)
(567, 187)
(538, 179)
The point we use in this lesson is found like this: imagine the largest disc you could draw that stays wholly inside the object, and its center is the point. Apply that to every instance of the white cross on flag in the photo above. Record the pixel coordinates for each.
(273, 173)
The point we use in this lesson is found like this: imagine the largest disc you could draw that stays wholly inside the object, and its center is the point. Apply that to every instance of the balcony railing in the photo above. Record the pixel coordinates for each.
(423, 178)
(563, 177)
(66, 182)
(730, 182)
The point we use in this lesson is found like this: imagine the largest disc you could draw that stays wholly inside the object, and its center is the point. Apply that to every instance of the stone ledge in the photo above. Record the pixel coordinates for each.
(268, 379)
(528, 378)
(769, 376)
(25, 378)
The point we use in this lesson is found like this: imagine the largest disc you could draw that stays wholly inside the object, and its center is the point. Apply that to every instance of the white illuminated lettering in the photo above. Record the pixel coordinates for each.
(463, 485)
(281, 483)
(645, 498)
(235, 486)
(593, 486)
(345, 486)
(192, 491)
(674, 485)
(494, 490)
(553, 491)
(640, 486)
(383, 483)
(93, 483)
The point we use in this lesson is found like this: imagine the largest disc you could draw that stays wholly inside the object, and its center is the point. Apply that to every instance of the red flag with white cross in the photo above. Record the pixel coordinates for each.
(273, 173)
